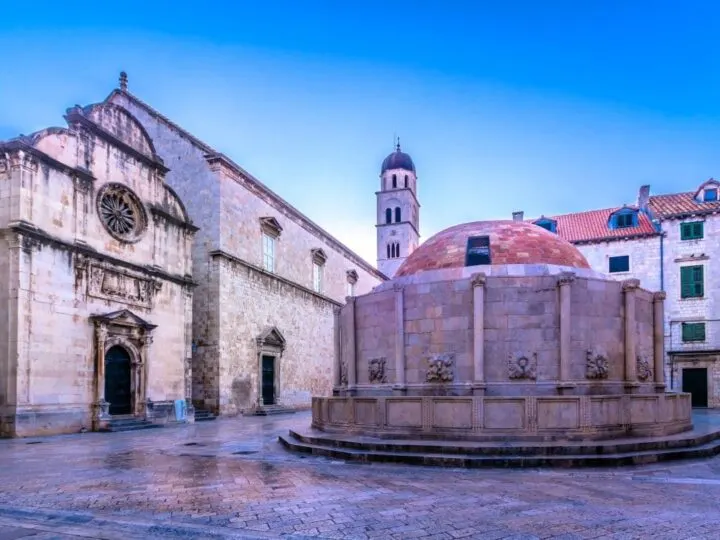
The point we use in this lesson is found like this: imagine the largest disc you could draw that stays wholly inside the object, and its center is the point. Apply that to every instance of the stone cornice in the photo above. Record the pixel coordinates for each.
(608, 239)
(75, 115)
(20, 145)
(394, 190)
(159, 212)
(412, 226)
(232, 258)
(27, 230)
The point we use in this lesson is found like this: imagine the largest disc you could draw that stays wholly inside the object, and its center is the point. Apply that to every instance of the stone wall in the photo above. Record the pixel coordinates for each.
(644, 254)
(304, 320)
(374, 314)
(597, 325)
(522, 328)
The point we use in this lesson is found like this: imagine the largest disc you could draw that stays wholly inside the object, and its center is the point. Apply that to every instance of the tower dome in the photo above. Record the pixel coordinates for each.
(398, 160)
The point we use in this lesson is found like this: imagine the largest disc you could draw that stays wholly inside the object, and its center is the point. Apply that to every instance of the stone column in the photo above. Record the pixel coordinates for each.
(141, 392)
(659, 338)
(349, 335)
(337, 361)
(629, 286)
(564, 283)
(477, 283)
(101, 416)
(399, 337)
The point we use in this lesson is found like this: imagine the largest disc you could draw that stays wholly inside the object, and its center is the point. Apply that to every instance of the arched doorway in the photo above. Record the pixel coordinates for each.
(118, 386)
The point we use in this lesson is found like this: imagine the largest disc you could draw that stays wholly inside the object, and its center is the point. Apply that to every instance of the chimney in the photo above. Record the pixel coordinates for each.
(643, 197)
(518, 216)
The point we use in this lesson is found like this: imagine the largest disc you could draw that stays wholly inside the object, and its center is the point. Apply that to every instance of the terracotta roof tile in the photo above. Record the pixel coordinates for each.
(593, 226)
(678, 204)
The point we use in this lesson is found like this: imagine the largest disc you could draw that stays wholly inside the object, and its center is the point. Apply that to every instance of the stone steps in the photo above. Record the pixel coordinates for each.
(202, 415)
(471, 455)
(270, 410)
(130, 424)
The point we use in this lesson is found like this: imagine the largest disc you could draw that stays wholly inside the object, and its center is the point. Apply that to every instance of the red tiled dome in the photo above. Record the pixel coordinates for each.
(511, 242)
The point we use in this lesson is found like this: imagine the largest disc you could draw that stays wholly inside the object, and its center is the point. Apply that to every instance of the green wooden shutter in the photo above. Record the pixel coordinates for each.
(691, 282)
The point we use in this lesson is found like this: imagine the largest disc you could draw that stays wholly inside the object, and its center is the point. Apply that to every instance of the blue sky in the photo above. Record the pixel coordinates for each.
(545, 107)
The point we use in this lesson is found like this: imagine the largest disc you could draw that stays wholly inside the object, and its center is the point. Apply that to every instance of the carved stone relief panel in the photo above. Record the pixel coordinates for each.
(441, 368)
(110, 284)
(377, 374)
(644, 371)
(596, 366)
(522, 366)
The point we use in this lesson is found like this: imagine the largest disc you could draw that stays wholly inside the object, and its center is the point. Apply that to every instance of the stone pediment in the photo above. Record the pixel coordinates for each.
(271, 225)
(123, 317)
(318, 256)
(271, 338)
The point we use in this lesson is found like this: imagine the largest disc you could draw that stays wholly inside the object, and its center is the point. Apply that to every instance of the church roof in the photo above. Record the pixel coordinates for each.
(507, 242)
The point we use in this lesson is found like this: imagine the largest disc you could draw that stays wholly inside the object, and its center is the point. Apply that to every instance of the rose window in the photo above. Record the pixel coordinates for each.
(121, 212)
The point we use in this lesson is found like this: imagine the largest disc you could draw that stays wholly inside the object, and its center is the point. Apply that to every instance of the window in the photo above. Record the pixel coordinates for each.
(693, 331)
(691, 282)
(317, 277)
(621, 263)
(710, 195)
(406, 180)
(388, 215)
(268, 253)
(393, 250)
(394, 180)
(691, 231)
(624, 220)
(397, 214)
(548, 224)
(478, 251)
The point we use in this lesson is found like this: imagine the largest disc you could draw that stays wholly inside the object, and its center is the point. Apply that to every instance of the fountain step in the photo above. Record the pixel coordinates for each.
(474, 454)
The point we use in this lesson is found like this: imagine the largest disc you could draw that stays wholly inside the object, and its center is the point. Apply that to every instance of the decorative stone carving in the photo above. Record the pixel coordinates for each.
(377, 374)
(597, 366)
(343, 374)
(630, 284)
(121, 212)
(522, 366)
(441, 368)
(117, 286)
(565, 278)
(478, 279)
(644, 370)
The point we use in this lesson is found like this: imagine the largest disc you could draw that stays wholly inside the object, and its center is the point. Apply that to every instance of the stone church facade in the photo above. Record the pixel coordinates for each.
(95, 278)
(270, 281)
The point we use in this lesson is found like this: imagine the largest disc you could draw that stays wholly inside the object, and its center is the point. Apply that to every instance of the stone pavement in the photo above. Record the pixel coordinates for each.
(231, 479)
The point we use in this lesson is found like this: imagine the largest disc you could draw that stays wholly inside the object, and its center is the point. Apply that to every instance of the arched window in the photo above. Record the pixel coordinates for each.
(397, 214)
(389, 252)
(406, 180)
(397, 250)
(394, 180)
(388, 215)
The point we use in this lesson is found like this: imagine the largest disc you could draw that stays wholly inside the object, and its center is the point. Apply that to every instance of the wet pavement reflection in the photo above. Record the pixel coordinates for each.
(233, 474)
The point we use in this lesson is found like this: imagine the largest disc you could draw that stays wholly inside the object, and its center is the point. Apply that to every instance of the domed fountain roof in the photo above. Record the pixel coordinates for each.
(509, 242)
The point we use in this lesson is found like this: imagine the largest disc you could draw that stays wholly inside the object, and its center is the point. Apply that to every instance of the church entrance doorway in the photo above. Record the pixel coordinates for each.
(118, 385)
(695, 382)
(268, 380)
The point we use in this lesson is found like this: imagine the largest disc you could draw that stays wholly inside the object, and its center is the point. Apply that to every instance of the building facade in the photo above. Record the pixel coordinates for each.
(670, 243)
(95, 278)
(270, 281)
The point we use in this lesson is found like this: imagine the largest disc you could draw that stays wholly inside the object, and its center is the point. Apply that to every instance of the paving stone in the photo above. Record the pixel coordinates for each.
(145, 484)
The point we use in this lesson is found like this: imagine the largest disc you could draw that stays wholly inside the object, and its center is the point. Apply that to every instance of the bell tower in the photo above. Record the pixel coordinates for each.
(398, 212)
